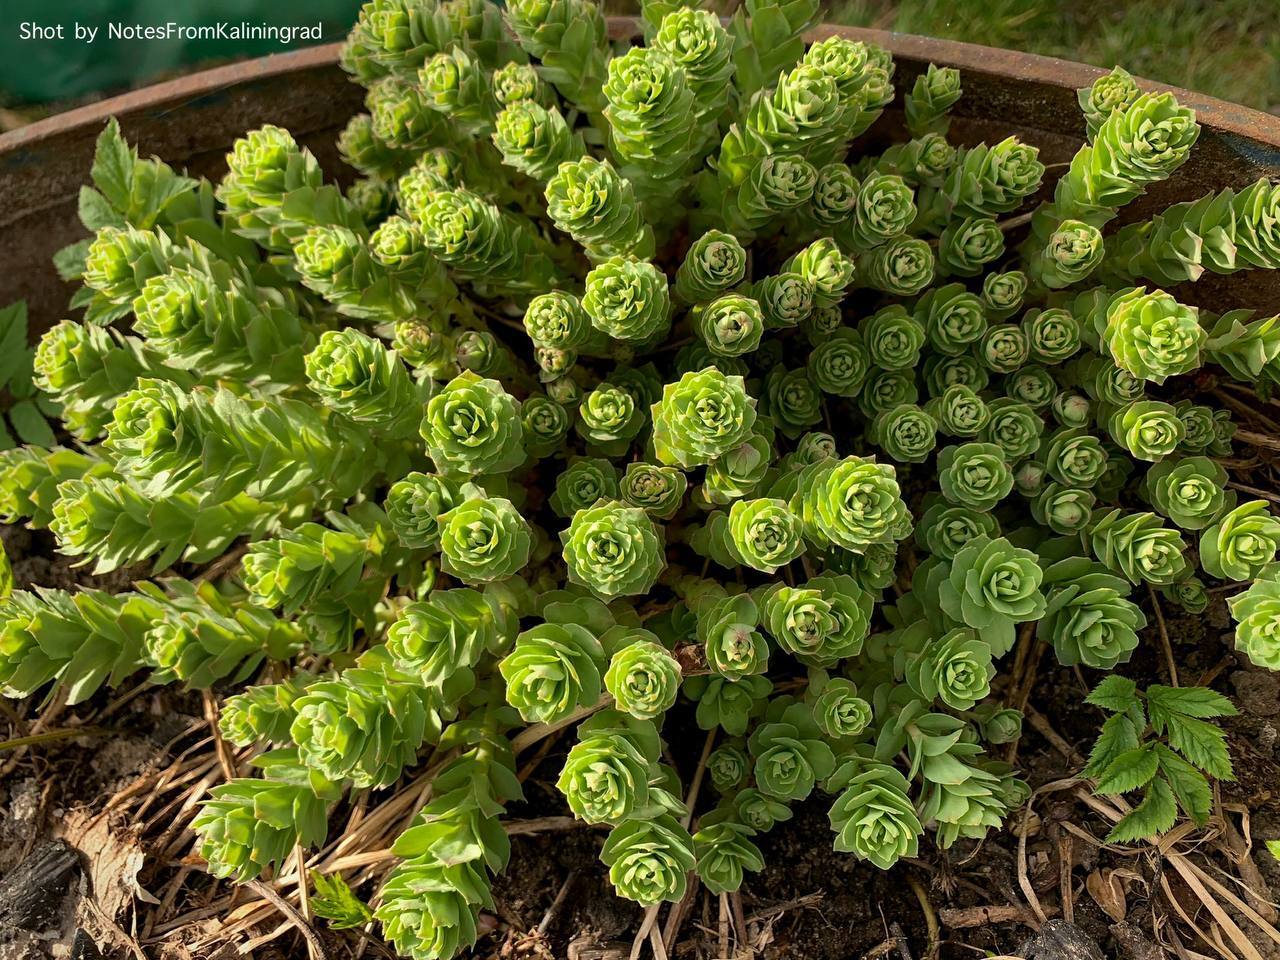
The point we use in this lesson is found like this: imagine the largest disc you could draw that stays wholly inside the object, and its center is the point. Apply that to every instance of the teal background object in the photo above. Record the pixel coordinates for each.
(45, 68)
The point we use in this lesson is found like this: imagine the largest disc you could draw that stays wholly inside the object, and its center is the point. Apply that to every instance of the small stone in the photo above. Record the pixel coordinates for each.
(1257, 692)
(1060, 940)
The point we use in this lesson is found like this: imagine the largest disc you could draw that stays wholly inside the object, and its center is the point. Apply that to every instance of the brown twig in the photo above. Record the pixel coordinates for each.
(225, 757)
(315, 946)
(960, 918)
(1066, 861)
(557, 903)
(49, 736)
(1164, 636)
(724, 926)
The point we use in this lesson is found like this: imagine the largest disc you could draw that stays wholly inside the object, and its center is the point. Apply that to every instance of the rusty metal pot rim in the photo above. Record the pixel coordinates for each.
(1220, 115)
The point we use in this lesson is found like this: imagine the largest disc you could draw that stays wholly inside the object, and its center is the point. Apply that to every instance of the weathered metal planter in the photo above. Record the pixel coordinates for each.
(191, 122)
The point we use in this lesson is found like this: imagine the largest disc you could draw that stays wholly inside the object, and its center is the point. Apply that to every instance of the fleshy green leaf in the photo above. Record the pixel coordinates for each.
(30, 425)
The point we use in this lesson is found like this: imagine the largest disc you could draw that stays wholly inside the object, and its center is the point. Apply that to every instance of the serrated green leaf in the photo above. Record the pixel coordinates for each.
(96, 211)
(1118, 735)
(1128, 771)
(112, 170)
(1115, 694)
(69, 261)
(1189, 785)
(30, 425)
(1152, 817)
(13, 340)
(1200, 742)
(1188, 701)
(1273, 848)
(335, 901)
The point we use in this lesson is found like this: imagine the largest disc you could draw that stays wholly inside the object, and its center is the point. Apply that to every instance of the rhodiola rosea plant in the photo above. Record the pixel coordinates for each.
(626, 394)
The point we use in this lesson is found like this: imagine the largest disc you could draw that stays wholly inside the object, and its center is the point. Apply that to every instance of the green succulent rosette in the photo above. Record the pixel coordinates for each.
(649, 859)
(414, 505)
(697, 42)
(826, 267)
(609, 418)
(945, 528)
(1190, 491)
(786, 299)
(582, 483)
(777, 185)
(1112, 91)
(933, 94)
(649, 103)
(606, 776)
(1064, 510)
(991, 586)
(1147, 429)
(728, 704)
(514, 81)
(953, 318)
(1089, 618)
(794, 401)
(1075, 458)
(701, 417)
(758, 811)
(903, 267)
(941, 372)
(714, 264)
(739, 472)
(556, 319)
(724, 852)
(1257, 615)
(457, 85)
(894, 338)
(1074, 250)
(730, 325)
(873, 816)
(552, 670)
(591, 202)
(728, 765)
(764, 533)
(967, 246)
(959, 411)
(885, 389)
(1240, 543)
(1188, 593)
(357, 376)
(974, 475)
(790, 755)
(907, 433)
(1003, 293)
(484, 539)
(429, 909)
(1140, 547)
(990, 180)
(840, 363)
(852, 503)
(627, 299)
(643, 678)
(262, 713)
(613, 550)
(835, 196)
(840, 713)
(472, 426)
(884, 209)
(535, 139)
(545, 424)
(1053, 334)
(248, 825)
(1004, 348)
(657, 490)
(1151, 335)
(956, 668)
(1071, 409)
(727, 631)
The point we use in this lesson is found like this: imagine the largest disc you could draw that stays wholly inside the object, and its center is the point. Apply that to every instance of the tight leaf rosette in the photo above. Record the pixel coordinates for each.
(472, 426)
(1088, 615)
(553, 669)
(790, 755)
(992, 586)
(974, 475)
(727, 630)
(701, 417)
(606, 775)
(1151, 335)
(764, 533)
(839, 711)
(414, 506)
(657, 490)
(484, 539)
(613, 550)
(1240, 544)
(1140, 547)
(715, 263)
(956, 668)
(731, 325)
(649, 860)
(1257, 615)
(873, 816)
(852, 503)
(643, 678)
(627, 299)
(1190, 491)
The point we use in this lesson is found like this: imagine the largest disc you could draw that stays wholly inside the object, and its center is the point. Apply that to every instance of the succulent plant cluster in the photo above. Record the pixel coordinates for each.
(626, 386)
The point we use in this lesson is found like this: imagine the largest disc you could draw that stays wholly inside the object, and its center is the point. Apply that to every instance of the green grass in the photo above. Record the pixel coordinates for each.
(1226, 48)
